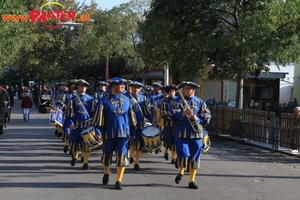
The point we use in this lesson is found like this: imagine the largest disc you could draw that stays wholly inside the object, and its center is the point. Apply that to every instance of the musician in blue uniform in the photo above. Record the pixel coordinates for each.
(70, 95)
(99, 94)
(189, 135)
(115, 123)
(78, 115)
(168, 124)
(58, 100)
(140, 106)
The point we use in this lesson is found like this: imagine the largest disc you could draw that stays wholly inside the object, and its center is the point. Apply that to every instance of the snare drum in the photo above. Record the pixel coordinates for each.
(88, 136)
(52, 117)
(59, 117)
(152, 138)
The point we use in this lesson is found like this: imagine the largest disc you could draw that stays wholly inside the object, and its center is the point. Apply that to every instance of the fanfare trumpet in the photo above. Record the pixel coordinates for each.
(197, 128)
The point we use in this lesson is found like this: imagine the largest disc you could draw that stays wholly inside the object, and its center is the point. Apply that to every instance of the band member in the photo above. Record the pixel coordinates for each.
(115, 123)
(189, 109)
(148, 91)
(70, 95)
(102, 88)
(99, 94)
(58, 100)
(139, 104)
(168, 131)
(77, 115)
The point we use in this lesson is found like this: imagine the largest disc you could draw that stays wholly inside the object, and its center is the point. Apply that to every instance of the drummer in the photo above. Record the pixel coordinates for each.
(139, 103)
(78, 115)
(71, 94)
(168, 131)
(58, 100)
(115, 122)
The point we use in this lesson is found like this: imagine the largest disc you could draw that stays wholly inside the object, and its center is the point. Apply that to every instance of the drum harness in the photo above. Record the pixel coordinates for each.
(133, 100)
(79, 100)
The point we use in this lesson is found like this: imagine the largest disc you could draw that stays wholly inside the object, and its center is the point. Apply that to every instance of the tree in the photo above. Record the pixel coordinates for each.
(235, 37)
(14, 35)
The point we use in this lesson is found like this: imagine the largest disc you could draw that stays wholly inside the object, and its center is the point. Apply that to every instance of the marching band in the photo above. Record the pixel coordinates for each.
(126, 118)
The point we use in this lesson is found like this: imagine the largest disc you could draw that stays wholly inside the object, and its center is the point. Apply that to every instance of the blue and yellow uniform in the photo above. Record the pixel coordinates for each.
(168, 124)
(139, 104)
(70, 95)
(79, 113)
(99, 94)
(189, 142)
(58, 99)
(115, 121)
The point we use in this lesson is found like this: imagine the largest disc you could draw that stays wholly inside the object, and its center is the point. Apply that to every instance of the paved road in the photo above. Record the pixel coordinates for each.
(33, 167)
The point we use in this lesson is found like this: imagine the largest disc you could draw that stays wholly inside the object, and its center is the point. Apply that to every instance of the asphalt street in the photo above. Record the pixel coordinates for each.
(34, 167)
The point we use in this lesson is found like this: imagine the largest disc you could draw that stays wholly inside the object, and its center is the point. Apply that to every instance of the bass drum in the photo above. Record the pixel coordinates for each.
(151, 138)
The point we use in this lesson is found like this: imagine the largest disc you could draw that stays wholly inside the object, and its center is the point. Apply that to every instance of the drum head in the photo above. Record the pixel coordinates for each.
(87, 130)
(150, 131)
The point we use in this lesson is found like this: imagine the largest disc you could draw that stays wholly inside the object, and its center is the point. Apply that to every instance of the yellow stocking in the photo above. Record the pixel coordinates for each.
(86, 156)
(120, 173)
(181, 171)
(106, 170)
(174, 155)
(192, 174)
(137, 157)
(166, 150)
(131, 151)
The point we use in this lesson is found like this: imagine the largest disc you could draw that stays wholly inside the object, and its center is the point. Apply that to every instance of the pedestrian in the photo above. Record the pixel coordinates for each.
(26, 105)
(4, 104)
(11, 104)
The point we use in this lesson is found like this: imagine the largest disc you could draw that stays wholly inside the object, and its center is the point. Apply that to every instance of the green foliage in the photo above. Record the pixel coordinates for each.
(235, 37)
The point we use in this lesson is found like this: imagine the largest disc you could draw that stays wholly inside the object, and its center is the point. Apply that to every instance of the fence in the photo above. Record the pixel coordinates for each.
(257, 125)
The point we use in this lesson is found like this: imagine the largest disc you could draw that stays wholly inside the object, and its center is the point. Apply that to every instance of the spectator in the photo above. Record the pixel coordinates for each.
(26, 105)
(11, 104)
(4, 103)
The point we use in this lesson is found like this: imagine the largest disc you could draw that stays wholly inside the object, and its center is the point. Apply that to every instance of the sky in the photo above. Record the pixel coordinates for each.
(106, 4)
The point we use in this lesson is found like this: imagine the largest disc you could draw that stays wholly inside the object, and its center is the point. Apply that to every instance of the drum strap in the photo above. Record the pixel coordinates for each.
(135, 101)
(79, 100)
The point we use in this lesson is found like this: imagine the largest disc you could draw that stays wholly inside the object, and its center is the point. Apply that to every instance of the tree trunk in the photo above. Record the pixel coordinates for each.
(239, 92)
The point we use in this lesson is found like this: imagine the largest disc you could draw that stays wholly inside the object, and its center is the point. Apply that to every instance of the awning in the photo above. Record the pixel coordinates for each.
(269, 75)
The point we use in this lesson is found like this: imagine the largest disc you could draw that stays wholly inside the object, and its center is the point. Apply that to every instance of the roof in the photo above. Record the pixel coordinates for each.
(269, 75)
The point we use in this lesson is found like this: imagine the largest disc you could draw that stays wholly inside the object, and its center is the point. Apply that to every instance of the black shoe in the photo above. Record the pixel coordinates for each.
(5, 125)
(136, 167)
(193, 185)
(1, 132)
(59, 134)
(73, 161)
(82, 159)
(85, 166)
(166, 156)
(8, 119)
(24, 118)
(176, 164)
(131, 160)
(173, 161)
(105, 179)
(178, 178)
(66, 149)
(118, 186)
(157, 151)
(187, 169)
(55, 133)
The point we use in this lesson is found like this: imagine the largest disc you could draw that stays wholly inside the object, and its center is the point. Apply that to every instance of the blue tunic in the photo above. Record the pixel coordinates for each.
(76, 115)
(114, 117)
(184, 128)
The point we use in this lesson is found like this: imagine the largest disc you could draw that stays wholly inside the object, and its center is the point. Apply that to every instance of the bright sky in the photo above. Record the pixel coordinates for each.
(106, 4)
